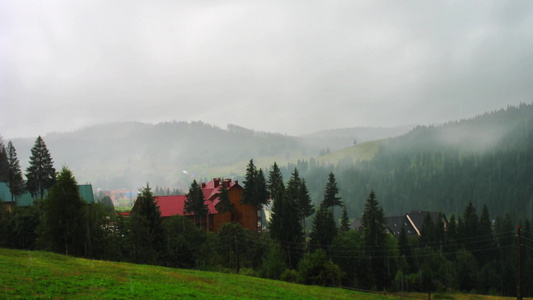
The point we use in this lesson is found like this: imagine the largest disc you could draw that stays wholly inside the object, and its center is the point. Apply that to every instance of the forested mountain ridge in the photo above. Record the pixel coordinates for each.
(487, 160)
(119, 155)
(129, 154)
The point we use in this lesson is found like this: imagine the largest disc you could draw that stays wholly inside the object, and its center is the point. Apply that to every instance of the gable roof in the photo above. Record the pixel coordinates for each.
(412, 221)
(85, 190)
(175, 205)
(394, 224)
(416, 217)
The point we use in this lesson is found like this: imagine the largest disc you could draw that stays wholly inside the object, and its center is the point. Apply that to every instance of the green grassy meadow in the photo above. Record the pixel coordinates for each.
(359, 152)
(43, 275)
(33, 274)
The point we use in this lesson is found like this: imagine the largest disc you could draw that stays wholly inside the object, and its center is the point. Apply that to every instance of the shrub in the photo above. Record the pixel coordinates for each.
(317, 269)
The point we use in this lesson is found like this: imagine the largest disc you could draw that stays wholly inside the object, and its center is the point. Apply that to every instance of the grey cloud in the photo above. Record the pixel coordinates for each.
(289, 67)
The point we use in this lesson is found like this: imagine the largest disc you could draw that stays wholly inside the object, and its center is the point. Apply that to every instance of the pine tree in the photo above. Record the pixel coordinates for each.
(373, 231)
(285, 226)
(16, 182)
(330, 195)
(224, 205)
(293, 187)
(195, 203)
(274, 179)
(427, 233)
(487, 242)
(148, 236)
(40, 174)
(305, 206)
(468, 228)
(345, 221)
(4, 164)
(261, 186)
(63, 227)
(255, 190)
(451, 235)
(249, 192)
(324, 229)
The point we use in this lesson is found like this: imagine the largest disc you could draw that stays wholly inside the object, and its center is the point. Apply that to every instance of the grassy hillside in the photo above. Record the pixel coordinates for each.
(359, 152)
(45, 275)
(34, 274)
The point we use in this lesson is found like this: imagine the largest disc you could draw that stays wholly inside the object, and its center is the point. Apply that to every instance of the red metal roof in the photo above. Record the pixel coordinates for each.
(174, 205)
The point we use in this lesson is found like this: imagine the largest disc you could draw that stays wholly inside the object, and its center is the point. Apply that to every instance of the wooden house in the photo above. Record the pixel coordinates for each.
(244, 214)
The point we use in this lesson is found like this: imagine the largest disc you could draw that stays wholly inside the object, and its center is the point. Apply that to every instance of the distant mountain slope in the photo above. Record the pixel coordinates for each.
(336, 139)
(486, 160)
(359, 152)
(131, 154)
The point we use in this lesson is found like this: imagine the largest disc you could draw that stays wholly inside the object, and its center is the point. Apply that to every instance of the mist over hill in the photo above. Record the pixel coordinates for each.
(486, 160)
(130, 154)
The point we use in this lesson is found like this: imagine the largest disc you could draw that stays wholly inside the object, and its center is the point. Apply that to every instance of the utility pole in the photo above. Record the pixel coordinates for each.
(519, 249)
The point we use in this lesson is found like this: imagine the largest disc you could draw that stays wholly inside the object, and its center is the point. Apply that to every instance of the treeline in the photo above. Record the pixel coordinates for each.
(470, 254)
(484, 160)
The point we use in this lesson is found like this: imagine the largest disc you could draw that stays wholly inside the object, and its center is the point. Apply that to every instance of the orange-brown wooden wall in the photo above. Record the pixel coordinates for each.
(245, 214)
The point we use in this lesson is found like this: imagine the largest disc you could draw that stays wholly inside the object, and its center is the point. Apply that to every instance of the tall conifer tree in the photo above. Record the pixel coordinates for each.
(330, 195)
(345, 221)
(224, 205)
(373, 230)
(255, 190)
(195, 203)
(305, 206)
(40, 174)
(62, 229)
(285, 226)
(4, 165)
(16, 182)
(274, 179)
(146, 228)
(324, 229)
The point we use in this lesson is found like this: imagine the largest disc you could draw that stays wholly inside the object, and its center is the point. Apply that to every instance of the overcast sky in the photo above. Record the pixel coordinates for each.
(293, 67)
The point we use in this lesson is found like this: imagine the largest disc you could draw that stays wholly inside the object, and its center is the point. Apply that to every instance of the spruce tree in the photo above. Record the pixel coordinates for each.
(195, 203)
(148, 236)
(468, 228)
(345, 221)
(63, 226)
(305, 206)
(274, 179)
(330, 195)
(255, 190)
(293, 187)
(285, 226)
(16, 182)
(224, 202)
(40, 174)
(249, 192)
(487, 243)
(373, 231)
(324, 229)
(4, 164)
(451, 235)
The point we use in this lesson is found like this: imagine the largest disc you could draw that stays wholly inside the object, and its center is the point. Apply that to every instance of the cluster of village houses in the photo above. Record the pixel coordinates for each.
(248, 216)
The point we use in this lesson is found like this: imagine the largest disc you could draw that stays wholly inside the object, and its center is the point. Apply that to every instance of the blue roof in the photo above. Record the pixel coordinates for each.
(86, 193)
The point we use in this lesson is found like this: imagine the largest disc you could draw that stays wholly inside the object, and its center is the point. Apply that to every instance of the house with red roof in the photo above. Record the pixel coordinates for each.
(244, 214)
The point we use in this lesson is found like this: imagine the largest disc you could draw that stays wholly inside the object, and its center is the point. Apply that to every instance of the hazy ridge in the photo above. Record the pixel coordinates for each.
(129, 154)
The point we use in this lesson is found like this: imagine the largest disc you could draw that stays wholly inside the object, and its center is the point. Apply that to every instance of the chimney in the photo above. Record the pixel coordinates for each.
(216, 182)
(203, 184)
